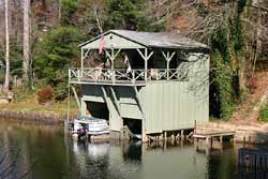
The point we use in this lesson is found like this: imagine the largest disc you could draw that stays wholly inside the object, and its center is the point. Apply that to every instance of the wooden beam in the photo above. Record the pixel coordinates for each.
(76, 98)
(104, 95)
(138, 101)
(144, 137)
(112, 55)
(117, 106)
(145, 55)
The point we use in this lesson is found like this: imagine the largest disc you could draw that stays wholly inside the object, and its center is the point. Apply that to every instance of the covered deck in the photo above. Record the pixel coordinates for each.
(141, 56)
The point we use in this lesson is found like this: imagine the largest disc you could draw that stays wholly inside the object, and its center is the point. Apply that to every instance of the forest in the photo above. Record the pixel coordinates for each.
(39, 40)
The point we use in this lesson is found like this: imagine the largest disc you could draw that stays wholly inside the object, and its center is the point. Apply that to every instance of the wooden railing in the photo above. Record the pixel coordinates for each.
(122, 75)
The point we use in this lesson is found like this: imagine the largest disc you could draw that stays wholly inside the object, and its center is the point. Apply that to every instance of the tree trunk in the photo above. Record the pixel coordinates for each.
(59, 11)
(26, 40)
(7, 56)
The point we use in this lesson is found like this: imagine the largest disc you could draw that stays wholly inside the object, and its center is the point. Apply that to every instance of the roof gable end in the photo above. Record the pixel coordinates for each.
(112, 40)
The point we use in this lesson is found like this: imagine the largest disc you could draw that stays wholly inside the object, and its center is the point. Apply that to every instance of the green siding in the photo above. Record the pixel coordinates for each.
(168, 105)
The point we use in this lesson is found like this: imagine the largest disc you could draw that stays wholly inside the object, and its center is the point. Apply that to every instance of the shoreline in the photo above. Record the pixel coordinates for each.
(245, 132)
(34, 117)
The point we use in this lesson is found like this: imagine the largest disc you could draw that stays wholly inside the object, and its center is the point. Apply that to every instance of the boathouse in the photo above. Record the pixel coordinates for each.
(150, 82)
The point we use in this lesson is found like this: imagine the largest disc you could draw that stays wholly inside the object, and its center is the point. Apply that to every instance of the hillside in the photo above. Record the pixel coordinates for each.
(249, 109)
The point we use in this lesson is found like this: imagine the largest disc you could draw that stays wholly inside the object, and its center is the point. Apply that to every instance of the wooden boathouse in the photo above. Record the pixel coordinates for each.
(151, 82)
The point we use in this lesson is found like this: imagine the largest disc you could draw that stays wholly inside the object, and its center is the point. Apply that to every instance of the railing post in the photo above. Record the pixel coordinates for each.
(168, 70)
(80, 74)
(133, 76)
(145, 68)
(113, 76)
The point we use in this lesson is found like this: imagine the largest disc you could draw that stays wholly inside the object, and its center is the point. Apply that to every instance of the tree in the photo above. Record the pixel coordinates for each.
(54, 55)
(129, 14)
(26, 40)
(7, 52)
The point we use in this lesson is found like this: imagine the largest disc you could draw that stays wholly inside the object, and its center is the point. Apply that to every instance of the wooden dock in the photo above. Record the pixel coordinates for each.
(213, 135)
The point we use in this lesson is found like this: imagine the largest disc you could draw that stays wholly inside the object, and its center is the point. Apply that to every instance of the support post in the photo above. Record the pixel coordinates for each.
(115, 101)
(182, 134)
(112, 66)
(146, 64)
(76, 98)
(168, 57)
(145, 57)
(221, 139)
(172, 138)
(144, 136)
(112, 57)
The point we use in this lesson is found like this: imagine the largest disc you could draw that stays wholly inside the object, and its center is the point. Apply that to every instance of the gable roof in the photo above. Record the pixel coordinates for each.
(154, 39)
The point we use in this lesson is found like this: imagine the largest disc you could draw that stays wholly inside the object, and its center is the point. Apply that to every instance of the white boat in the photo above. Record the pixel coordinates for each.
(90, 126)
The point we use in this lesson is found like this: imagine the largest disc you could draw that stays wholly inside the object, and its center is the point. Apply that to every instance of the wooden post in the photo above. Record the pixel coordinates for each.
(76, 98)
(194, 126)
(182, 134)
(207, 140)
(168, 57)
(168, 70)
(112, 66)
(112, 57)
(165, 144)
(145, 57)
(168, 61)
(161, 137)
(144, 136)
(172, 138)
(137, 98)
(221, 140)
(178, 136)
(82, 60)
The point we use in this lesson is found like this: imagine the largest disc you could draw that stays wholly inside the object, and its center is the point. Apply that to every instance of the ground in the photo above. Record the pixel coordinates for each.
(245, 120)
(29, 104)
(248, 111)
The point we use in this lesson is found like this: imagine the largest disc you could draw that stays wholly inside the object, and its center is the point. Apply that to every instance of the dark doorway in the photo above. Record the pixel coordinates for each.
(134, 125)
(98, 110)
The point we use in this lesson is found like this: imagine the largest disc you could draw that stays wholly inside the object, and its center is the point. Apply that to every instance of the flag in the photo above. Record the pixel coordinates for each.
(101, 44)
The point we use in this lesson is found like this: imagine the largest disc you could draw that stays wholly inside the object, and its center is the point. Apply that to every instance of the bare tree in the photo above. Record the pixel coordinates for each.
(26, 40)
(7, 52)
(59, 11)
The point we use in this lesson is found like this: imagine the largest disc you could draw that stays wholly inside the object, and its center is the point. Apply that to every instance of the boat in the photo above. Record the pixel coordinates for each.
(88, 125)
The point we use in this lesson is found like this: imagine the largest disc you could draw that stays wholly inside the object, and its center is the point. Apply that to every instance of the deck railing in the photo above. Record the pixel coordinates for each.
(124, 76)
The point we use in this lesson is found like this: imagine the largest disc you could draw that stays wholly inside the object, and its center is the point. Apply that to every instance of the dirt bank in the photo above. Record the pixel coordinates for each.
(39, 117)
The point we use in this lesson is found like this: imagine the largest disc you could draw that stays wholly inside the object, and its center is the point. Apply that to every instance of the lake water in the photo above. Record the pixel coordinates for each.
(44, 152)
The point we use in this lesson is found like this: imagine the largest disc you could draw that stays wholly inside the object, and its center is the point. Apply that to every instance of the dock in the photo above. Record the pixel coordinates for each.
(210, 136)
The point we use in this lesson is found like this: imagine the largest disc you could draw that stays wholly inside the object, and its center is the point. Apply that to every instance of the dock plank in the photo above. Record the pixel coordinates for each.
(207, 134)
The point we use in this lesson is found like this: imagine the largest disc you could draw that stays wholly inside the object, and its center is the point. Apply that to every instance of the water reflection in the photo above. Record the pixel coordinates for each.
(132, 151)
(58, 156)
